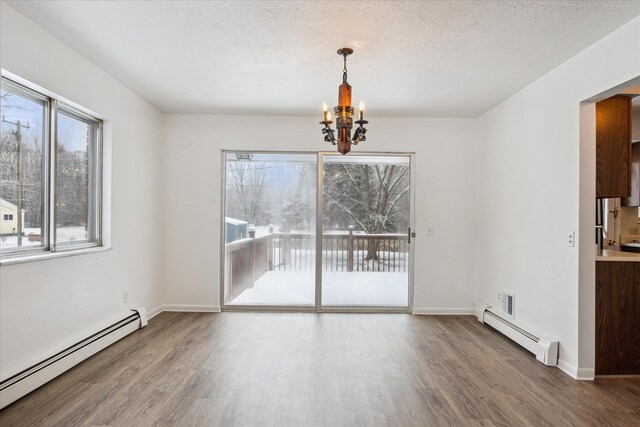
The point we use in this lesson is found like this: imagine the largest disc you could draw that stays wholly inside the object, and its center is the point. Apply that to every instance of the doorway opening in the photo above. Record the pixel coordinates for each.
(600, 250)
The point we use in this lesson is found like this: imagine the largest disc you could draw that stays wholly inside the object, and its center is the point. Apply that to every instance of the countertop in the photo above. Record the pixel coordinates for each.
(608, 255)
(632, 245)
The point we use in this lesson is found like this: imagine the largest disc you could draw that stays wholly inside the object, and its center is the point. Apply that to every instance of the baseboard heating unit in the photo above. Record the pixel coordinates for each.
(18, 385)
(545, 350)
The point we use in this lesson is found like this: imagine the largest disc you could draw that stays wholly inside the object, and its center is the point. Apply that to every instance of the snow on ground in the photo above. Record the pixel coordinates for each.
(65, 234)
(11, 241)
(339, 289)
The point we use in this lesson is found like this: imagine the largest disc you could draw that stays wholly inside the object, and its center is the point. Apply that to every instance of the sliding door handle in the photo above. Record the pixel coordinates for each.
(410, 234)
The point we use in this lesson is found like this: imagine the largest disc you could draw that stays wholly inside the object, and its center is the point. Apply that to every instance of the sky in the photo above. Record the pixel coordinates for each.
(29, 113)
(71, 132)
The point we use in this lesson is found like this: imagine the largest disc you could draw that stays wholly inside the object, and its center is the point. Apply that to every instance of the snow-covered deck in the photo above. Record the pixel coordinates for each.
(378, 289)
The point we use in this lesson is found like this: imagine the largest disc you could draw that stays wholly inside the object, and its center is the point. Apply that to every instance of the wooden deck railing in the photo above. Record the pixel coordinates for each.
(248, 259)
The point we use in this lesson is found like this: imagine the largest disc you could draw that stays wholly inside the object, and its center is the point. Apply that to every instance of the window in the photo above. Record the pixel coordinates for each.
(76, 189)
(50, 169)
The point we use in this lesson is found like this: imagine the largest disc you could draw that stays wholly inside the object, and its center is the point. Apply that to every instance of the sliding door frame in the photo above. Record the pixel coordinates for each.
(223, 208)
(319, 226)
(318, 307)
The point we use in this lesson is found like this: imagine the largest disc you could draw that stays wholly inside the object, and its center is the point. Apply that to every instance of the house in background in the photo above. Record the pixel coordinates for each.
(9, 218)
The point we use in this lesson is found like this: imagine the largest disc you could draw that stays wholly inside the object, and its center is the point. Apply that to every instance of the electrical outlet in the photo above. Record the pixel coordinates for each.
(499, 296)
(125, 297)
(572, 239)
(429, 230)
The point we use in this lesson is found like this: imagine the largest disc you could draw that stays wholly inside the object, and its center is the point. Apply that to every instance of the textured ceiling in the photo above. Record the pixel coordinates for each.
(413, 58)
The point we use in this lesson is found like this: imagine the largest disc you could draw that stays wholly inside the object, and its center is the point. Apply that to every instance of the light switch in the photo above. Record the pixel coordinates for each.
(430, 230)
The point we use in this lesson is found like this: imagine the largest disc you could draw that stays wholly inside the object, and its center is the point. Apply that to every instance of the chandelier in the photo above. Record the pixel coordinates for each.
(344, 115)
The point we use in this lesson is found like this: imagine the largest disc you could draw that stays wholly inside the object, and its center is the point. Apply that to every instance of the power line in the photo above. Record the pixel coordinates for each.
(18, 132)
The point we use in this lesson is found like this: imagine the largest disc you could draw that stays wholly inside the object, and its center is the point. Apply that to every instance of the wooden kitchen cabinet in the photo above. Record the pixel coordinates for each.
(613, 147)
(617, 318)
(634, 198)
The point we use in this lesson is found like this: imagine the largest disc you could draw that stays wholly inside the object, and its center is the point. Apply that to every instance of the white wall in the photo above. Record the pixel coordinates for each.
(528, 195)
(445, 152)
(46, 304)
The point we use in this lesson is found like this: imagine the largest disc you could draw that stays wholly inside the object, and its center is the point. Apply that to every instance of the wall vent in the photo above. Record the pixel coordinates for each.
(508, 303)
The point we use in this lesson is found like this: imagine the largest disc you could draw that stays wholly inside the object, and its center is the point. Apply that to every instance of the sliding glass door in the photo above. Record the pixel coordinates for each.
(270, 229)
(366, 218)
(275, 206)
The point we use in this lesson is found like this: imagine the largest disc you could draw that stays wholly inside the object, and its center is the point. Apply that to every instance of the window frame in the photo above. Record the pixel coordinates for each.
(94, 185)
(53, 105)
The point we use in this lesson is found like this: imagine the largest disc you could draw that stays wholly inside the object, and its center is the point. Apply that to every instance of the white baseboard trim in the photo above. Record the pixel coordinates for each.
(444, 311)
(568, 369)
(191, 308)
(587, 374)
(154, 312)
(460, 311)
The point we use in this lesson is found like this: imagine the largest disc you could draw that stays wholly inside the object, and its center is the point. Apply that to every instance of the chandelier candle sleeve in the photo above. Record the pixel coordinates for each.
(344, 115)
(344, 95)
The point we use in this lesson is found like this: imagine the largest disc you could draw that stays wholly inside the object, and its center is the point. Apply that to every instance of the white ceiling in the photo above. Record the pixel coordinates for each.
(413, 58)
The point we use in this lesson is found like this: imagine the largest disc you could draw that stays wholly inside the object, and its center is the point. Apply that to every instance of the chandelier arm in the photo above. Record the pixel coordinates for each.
(329, 135)
(356, 137)
(359, 134)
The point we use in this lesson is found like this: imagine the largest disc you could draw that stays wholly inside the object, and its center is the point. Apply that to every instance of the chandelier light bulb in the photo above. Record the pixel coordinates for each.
(327, 115)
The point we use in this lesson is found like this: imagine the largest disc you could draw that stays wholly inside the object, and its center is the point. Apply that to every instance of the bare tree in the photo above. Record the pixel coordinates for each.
(246, 191)
(373, 197)
(72, 186)
(31, 163)
(25, 145)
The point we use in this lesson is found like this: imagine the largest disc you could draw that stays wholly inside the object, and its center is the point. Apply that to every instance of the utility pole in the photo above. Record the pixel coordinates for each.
(18, 134)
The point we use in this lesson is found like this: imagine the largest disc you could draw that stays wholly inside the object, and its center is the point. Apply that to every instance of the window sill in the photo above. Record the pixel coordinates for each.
(51, 255)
